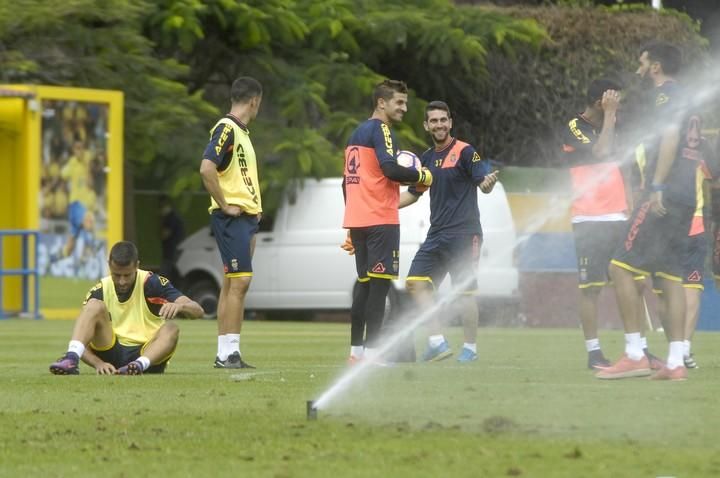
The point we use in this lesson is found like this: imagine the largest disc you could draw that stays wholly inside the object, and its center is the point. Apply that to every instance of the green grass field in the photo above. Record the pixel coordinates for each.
(61, 292)
(526, 408)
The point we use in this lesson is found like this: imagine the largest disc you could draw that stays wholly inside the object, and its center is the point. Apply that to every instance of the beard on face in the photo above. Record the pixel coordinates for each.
(125, 289)
(440, 136)
(646, 82)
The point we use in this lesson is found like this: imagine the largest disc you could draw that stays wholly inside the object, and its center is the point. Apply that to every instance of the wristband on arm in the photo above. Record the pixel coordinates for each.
(658, 187)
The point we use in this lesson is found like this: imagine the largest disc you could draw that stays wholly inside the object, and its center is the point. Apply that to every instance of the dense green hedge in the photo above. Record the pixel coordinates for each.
(518, 115)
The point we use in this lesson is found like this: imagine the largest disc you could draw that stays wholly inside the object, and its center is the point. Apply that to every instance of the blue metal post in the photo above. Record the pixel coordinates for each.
(37, 276)
(25, 271)
(25, 289)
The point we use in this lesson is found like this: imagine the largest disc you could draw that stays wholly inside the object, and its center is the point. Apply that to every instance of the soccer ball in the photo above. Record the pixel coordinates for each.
(408, 159)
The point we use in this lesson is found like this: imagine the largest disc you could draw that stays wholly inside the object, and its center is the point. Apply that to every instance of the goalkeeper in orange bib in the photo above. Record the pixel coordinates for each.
(372, 191)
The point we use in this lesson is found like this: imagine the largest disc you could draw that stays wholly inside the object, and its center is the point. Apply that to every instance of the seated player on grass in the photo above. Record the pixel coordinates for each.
(123, 327)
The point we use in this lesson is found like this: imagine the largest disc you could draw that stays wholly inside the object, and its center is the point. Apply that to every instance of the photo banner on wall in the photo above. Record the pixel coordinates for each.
(73, 201)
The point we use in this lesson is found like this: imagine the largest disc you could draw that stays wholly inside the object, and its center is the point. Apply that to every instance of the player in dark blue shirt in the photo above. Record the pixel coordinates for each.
(455, 236)
(660, 224)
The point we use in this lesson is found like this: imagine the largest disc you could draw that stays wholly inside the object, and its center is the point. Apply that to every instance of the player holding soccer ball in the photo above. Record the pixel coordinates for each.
(455, 236)
(371, 190)
(123, 327)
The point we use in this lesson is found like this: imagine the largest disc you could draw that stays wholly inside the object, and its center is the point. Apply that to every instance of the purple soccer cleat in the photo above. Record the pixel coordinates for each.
(133, 368)
(66, 365)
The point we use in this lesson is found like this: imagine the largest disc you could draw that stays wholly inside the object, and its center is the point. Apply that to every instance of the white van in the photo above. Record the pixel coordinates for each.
(299, 264)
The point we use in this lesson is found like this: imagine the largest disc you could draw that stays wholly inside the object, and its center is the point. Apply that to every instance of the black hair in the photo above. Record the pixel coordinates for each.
(598, 87)
(387, 89)
(437, 105)
(244, 89)
(667, 54)
(124, 253)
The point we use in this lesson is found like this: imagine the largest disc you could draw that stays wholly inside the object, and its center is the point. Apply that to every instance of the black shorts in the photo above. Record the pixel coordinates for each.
(377, 251)
(120, 355)
(693, 260)
(655, 244)
(441, 254)
(234, 235)
(595, 242)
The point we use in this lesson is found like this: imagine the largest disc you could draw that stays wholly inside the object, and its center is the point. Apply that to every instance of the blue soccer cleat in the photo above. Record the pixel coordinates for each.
(435, 354)
(467, 355)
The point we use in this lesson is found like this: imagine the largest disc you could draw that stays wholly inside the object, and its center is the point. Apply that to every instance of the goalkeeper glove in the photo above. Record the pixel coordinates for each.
(425, 178)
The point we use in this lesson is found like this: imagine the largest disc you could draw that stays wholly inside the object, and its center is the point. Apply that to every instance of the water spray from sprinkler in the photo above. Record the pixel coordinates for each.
(702, 96)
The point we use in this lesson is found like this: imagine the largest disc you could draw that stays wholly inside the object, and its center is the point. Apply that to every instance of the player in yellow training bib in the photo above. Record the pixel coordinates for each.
(229, 173)
(124, 325)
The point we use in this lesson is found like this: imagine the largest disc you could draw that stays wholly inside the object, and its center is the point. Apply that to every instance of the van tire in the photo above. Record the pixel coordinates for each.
(205, 292)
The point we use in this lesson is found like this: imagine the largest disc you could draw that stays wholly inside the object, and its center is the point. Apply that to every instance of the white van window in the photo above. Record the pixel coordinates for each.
(316, 207)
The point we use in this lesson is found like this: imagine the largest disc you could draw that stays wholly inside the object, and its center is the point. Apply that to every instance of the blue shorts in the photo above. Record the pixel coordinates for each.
(440, 254)
(76, 216)
(234, 235)
(120, 355)
(377, 251)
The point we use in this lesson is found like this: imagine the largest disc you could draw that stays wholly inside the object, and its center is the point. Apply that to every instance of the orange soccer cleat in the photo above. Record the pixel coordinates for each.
(675, 374)
(625, 368)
